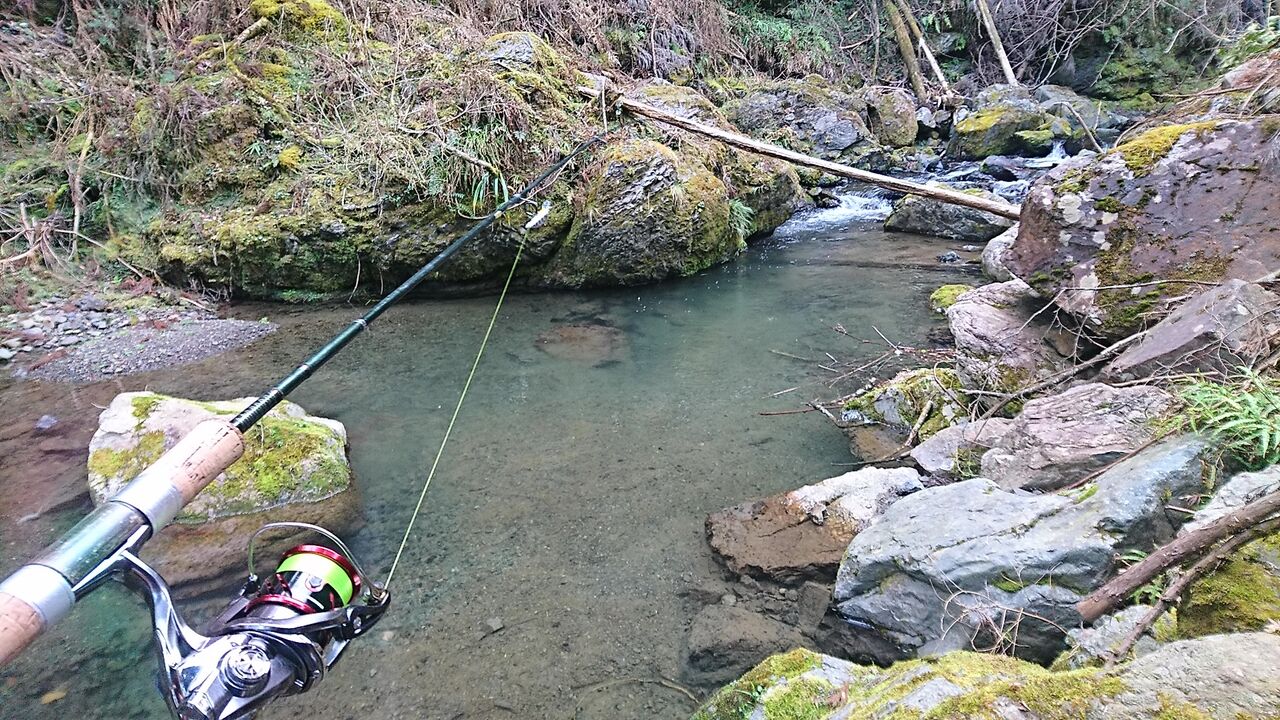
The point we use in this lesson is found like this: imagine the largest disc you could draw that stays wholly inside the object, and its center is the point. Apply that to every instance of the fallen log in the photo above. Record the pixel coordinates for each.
(738, 140)
(1193, 544)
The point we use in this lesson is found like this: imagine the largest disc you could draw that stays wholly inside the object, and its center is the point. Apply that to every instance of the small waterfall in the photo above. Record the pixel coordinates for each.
(862, 205)
(1056, 155)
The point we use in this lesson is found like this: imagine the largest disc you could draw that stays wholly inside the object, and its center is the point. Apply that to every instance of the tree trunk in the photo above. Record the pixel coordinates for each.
(954, 197)
(1193, 544)
(905, 47)
(989, 22)
(924, 46)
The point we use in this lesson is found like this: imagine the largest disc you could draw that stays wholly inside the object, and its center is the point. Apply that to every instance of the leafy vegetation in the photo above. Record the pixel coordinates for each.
(1241, 413)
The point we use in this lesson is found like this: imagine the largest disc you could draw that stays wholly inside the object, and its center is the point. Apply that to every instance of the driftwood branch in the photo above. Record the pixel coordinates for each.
(910, 17)
(1192, 544)
(1177, 587)
(953, 197)
(989, 23)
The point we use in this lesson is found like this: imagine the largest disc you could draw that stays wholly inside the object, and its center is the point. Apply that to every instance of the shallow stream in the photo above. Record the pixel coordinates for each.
(571, 501)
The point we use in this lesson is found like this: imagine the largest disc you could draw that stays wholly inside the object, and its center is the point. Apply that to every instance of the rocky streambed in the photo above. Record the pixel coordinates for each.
(1044, 455)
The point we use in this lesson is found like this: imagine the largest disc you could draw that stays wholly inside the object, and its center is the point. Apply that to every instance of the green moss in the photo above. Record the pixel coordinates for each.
(1109, 204)
(1143, 152)
(306, 14)
(1242, 594)
(1171, 709)
(937, 389)
(736, 699)
(1047, 695)
(143, 405)
(1075, 180)
(1038, 142)
(946, 296)
(289, 158)
(126, 464)
(798, 699)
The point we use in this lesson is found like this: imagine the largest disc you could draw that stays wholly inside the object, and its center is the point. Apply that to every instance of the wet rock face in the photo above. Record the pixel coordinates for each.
(926, 216)
(951, 567)
(802, 534)
(1191, 202)
(294, 467)
(1059, 439)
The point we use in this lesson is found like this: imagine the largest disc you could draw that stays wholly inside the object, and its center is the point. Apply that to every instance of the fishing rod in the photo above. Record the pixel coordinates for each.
(283, 631)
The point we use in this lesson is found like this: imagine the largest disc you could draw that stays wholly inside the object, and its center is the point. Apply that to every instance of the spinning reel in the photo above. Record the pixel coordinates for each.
(277, 638)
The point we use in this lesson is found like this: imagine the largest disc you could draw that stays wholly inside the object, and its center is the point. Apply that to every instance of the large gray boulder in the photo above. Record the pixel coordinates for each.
(926, 216)
(1180, 202)
(1234, 324)
(294, 467)
(1002, 338)
(891, 115)
(802, 534)
(806, 115)
(1232, 677)
(963, 565)
(1059, 439)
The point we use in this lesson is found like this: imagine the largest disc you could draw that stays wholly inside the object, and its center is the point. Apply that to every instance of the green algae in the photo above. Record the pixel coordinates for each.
(947, 295)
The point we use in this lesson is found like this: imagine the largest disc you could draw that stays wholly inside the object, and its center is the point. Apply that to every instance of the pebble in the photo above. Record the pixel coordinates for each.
(494, 624)
(6, 354)
(729, 599)
(46, 422)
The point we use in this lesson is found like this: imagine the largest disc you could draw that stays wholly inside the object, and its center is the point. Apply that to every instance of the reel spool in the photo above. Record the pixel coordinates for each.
(278, 637)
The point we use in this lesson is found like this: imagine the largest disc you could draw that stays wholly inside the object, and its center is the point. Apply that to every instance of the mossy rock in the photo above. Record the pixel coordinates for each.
(649, 213)
(804, 685)
(946, 296)
(289, 456)
(1242, 594)
(901, 401)
(992, 130)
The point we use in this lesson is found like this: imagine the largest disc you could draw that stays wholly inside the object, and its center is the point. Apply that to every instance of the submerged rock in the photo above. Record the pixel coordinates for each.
(1224, 676)
(926, 216)
(1178, 202)
(588, 343)
(1059, 439)
(724, 641)
(802, 534)
(294, 466)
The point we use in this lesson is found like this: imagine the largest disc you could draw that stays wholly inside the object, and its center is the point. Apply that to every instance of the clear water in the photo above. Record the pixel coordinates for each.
(570, 503)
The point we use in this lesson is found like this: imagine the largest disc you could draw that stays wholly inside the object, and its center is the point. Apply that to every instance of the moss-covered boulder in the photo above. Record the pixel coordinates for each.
(891, 115)
(927, 216)
(290, 457)
(946, 296)
(992, 130)
(648, 213)
(927, 400)
(1217, 677)
(1107, 237)
(294, 467)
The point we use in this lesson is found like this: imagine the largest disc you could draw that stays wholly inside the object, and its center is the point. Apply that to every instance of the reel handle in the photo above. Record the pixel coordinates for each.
(20, 624)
